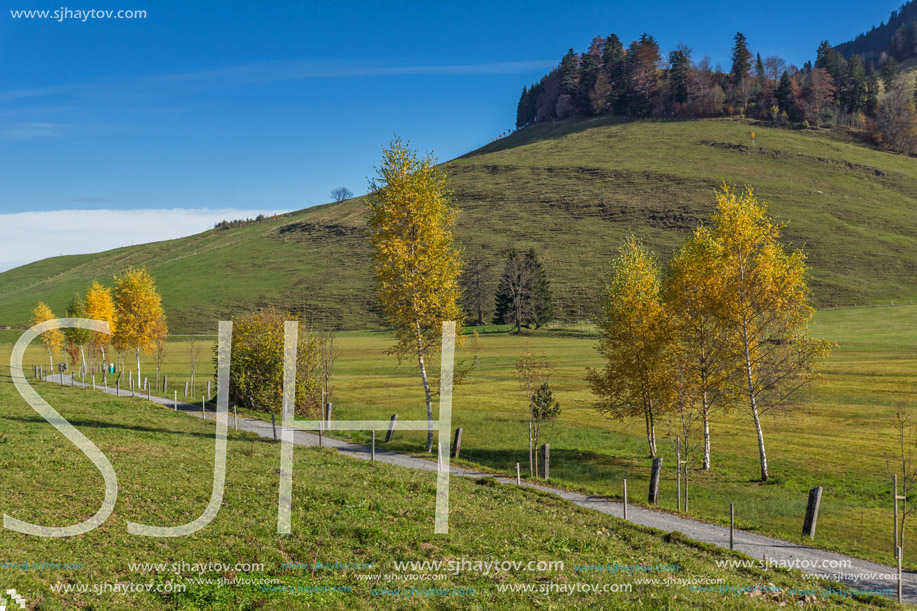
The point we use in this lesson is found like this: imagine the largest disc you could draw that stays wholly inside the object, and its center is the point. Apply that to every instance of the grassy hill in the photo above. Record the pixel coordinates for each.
(570, 190)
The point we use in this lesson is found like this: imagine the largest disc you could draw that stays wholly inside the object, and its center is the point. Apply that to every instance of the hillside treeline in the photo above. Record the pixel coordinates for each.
(897, 38)
(638, 81)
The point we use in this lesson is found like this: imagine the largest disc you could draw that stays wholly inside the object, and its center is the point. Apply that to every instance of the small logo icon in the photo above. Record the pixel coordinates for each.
(14, 599)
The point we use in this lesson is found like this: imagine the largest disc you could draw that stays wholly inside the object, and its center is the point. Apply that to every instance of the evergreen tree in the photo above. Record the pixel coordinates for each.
(853, 93)
(524, 293)
(827, 58)
(759, 67)
(477, 295)
(542, 299)
(569, 73)
(613, 62)
(741, 59)
(889, 72)
(679, 73)
(785, 94)
(588, 73)
(872, 92)
(522, 108)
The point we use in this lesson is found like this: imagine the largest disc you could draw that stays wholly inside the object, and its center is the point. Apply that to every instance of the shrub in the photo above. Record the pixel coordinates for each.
(256, 367)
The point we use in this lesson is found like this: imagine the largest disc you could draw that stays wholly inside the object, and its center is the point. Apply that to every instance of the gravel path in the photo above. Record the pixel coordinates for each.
(852, 572)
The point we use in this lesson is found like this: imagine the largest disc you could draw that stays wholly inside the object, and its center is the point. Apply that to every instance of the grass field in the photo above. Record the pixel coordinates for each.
(836, 438)
(570, 190)
(345, 512)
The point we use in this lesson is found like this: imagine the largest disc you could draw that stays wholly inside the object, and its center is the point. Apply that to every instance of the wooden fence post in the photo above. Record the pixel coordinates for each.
(732, 525)
(678, 471)
(175, 401)
(458, 442)
(625, 499)
(531, 453)
(372, 450)
(808, 526)
(546, 461)
(274, 426)
(654, 481)
(391, 428)
(208, 388)
(186, 389)
(518, 476)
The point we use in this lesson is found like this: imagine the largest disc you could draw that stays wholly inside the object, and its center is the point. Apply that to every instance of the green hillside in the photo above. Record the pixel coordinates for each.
(572, 191)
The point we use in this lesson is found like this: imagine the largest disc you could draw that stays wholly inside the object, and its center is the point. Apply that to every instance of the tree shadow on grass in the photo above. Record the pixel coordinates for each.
(83, 423)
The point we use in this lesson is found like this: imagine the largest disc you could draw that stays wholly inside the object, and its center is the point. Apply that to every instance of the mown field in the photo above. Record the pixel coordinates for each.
(345, 513)
(572, 191)
(837, 437)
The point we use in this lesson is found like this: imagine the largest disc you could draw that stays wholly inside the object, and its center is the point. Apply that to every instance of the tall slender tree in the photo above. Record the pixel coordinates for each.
(417, 265)
(765, 309)
(741, 59)
(52, 339)
(694, 290)
(101, 306)
(636, 341)
(75, 337)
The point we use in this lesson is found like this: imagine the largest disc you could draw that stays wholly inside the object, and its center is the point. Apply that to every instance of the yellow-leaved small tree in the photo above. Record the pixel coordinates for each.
(52, 339)
(765, 308)
(417, 265)
(636, 340)
(138, 308)
(101, 306)
(694, 288)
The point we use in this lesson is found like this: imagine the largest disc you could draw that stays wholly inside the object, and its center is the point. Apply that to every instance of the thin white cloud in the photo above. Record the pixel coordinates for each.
(260, 72)
(29, 131)
(31, 236)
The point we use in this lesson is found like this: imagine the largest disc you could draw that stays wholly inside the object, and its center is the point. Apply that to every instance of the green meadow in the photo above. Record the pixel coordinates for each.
(838, 435)
(382, 514)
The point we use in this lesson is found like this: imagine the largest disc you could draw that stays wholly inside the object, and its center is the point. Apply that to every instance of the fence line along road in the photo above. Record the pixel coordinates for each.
(860, 574)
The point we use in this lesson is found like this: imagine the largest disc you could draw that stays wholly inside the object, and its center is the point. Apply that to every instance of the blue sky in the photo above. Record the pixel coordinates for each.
(223, 107)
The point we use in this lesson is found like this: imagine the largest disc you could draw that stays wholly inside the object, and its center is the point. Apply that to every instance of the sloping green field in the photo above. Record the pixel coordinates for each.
(572, 191)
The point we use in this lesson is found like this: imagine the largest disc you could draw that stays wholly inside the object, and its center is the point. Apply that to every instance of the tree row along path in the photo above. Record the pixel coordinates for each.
(852, 572)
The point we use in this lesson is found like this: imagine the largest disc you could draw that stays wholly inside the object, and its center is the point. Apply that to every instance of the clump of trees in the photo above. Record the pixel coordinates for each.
(134, 314)
(224, 224)
(640, 81)
(138, 310)
(523, 295)
(724, 326)
(256, 367)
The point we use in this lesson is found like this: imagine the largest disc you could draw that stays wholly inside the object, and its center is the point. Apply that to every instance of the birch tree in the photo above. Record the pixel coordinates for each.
(101, 306)
(52, 339)
(636, 341)
(694, 290)
(417, 265)
(138, 308)
(765, 308)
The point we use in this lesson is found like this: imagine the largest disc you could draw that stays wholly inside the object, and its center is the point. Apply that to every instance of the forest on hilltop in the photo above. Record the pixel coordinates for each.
(639, 81)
